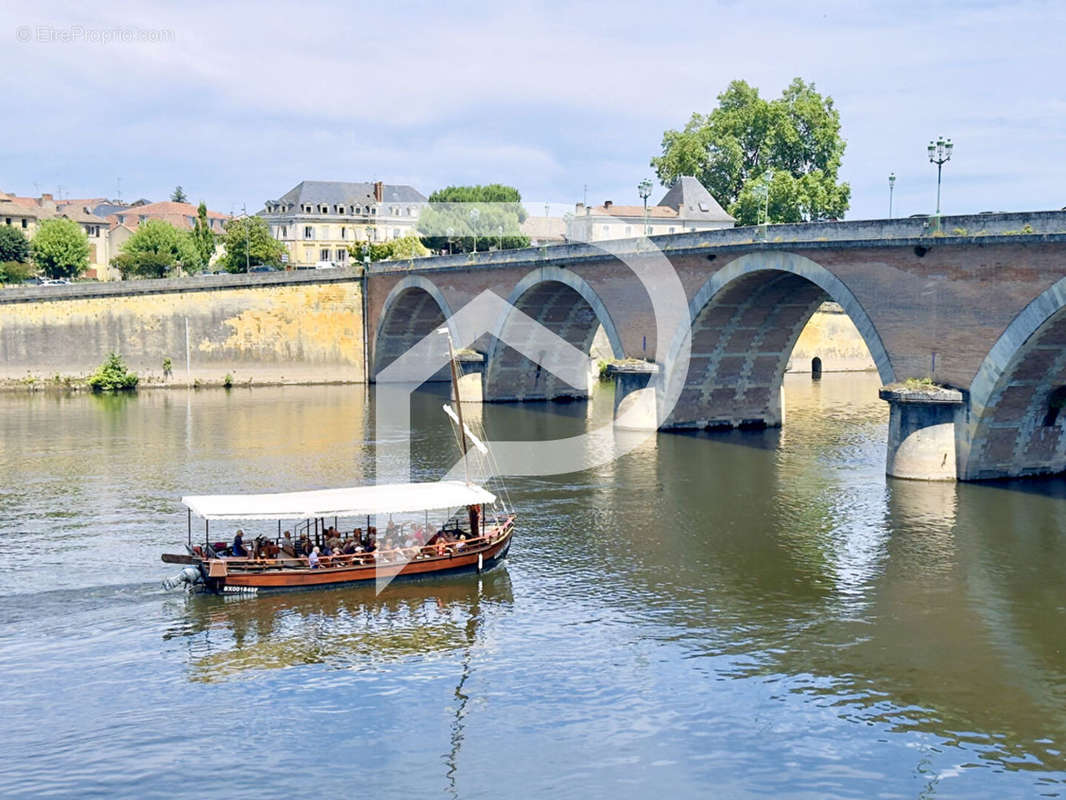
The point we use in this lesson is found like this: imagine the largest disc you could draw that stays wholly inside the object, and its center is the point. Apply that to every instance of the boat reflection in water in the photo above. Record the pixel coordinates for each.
(351, 628)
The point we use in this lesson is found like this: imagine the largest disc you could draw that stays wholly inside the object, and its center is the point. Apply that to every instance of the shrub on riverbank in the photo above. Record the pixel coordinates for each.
(112, 376)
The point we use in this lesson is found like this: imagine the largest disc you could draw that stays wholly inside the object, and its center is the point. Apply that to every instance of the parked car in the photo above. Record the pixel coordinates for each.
(327, 265)
(262, 268)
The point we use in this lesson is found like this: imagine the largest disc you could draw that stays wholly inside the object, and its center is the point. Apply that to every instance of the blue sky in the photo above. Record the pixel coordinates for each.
(242, 101)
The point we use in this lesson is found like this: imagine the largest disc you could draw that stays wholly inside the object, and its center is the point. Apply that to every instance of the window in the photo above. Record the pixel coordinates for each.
(366, 210)
(409, 211)
(606, 228)
(342, 254)
(395, 233)
(339, 209)
(284, 232)
(307, 209)
(309, 232)
(309, 255)
(344, 232)
(629, 229)
(9, 220)
(323, 254)
(671, 229)
(24, 223)
(324, 208)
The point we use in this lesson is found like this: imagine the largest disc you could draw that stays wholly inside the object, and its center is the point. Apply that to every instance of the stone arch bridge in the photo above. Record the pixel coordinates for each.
(978, 307)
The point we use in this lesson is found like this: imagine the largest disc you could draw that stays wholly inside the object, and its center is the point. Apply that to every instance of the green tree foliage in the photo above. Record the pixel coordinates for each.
(178, 195)
(155, 250)
(248, 242)
(60, 248)
(15, 271)
(112, 376)
(459, 215)
(202, 237)
(792, 145)
(405, 247)
(14, 246)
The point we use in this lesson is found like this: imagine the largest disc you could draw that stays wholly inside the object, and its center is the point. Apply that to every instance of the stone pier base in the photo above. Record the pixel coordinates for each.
(472, 367)
(921, 432)
(635, 401)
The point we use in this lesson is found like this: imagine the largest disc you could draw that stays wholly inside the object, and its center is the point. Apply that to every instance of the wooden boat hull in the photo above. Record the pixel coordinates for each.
(225, 580)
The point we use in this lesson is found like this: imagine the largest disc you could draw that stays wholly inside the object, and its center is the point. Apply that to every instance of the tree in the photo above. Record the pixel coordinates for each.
(178, 195)
(459, 216)
(202, 237)
(14, 246)
(405, 247)
(790, 146)
(156, 249)
(248, 242)
(15, 271)
(60, 248)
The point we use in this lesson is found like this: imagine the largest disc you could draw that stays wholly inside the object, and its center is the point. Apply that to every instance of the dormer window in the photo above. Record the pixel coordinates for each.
(340, 210)
(307, 209)
(324, 208)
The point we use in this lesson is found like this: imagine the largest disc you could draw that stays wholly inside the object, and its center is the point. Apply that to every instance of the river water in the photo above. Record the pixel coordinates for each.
(736, 615)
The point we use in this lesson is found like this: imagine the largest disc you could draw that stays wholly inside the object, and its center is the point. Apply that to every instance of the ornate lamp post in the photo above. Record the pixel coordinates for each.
(891, 188)
(644, 190)
(939, 154)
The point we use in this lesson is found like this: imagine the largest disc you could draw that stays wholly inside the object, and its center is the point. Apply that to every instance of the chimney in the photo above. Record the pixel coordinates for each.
(579, 208)
(44, 196)
(379, 191)
(608, 203)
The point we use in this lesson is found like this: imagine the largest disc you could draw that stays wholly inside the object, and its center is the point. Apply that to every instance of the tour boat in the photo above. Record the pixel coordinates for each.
(470, 541)
(474, 537)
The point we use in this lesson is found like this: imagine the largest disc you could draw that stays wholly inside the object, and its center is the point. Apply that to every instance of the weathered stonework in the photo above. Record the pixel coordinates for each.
(255, 331)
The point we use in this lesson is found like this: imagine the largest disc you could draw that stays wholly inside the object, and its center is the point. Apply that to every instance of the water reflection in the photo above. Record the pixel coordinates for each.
(350, 628)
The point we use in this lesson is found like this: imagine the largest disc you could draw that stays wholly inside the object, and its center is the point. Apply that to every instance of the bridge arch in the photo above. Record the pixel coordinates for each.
(1014, 425)
(564, 303)
(414, 308)
(744, 323)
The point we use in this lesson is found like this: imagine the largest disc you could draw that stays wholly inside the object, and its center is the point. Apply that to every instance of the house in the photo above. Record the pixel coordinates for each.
(27, 213)
(544, 230)
(319, 220)
(687, 206)
(181, 215)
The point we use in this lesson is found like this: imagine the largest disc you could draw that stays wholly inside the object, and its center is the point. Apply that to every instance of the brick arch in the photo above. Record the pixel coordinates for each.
(1009, 431)
(744, 323)
(413, 309)
(564, 303)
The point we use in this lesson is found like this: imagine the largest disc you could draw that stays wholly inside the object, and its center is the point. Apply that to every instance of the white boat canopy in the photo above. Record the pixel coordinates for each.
(357, 501)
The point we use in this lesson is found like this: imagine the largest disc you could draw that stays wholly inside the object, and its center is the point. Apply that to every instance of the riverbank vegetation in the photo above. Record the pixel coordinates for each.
(112, 376)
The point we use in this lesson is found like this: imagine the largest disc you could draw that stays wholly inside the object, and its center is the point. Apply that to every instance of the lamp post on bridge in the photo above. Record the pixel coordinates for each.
(891, 188)
(939, 154)
(644, 190)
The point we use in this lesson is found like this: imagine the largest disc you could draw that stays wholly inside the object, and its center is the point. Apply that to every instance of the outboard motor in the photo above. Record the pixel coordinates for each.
(189, 575)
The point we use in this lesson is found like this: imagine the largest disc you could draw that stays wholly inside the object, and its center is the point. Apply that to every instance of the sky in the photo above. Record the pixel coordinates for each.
(238, 102)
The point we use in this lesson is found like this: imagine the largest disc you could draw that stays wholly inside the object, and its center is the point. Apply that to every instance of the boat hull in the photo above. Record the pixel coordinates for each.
(255, 581)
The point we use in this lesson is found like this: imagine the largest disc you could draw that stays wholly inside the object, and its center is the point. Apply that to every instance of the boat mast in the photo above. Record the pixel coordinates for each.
(458, 404)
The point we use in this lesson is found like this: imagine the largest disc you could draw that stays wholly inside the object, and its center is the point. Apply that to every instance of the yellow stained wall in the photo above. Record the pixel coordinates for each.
(831, 336)
(298, 333)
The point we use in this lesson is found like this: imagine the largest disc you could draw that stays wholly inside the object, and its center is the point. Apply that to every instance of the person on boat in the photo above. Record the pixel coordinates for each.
(237, 548)
(334, 542)
(286, 544)
(312, 559)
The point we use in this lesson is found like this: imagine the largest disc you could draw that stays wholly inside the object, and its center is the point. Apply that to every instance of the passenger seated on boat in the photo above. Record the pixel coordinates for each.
(286, 544)
(312, 559)
(237, 548)
(334, 542)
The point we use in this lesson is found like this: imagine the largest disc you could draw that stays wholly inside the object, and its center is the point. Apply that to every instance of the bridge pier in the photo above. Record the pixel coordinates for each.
(472, 376)
(921, 432)
(635, 401)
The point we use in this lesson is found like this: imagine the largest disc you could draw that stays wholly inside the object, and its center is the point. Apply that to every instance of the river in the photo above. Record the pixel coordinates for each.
(757, 613)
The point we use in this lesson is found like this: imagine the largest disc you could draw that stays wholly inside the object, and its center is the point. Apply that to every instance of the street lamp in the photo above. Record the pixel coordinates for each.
(247, 239)
(939, 154)
(451, 233)
(891, 188)
(644, 190)
(474, 214)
